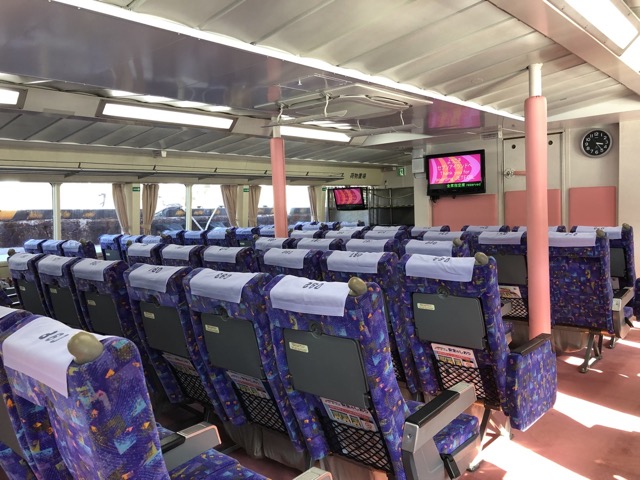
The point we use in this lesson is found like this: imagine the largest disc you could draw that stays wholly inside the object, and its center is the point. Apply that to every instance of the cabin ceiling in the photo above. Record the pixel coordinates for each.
(424, 71)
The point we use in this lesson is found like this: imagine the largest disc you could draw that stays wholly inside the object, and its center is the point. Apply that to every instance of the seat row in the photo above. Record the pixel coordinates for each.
(210, 336)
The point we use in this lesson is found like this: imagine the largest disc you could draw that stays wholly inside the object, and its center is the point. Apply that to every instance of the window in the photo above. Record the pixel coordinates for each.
(87, 211)
(25, 212)
(170, 213)
(298, 209)
(206, 200)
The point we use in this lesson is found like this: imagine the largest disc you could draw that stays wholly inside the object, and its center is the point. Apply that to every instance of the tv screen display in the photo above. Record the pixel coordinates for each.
(350, 198)
(455, 173)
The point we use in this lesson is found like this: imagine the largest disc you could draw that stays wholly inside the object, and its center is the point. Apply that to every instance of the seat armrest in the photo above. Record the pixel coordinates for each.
(172, 441)
(532, 344)
(433, 408)
(314, 474)
(197, 439)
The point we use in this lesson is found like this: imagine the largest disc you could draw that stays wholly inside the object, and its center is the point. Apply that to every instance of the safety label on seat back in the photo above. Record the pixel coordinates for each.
(349, 415)
(247, 384)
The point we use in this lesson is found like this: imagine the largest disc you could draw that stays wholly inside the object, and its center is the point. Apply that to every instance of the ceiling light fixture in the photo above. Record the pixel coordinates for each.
(9, 97)
(134, 112)
(314, 133)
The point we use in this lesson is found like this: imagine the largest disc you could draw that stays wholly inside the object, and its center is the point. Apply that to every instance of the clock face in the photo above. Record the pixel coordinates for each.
(596, 143)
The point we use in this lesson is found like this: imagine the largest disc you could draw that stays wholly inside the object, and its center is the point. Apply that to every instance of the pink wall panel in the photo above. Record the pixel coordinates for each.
(466, 210)
(515, 208)
(592, 206)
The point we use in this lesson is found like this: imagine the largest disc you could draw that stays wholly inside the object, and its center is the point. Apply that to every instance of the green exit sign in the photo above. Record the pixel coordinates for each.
(135, 189)
(245, 189)
(400, 171)
(324, 189)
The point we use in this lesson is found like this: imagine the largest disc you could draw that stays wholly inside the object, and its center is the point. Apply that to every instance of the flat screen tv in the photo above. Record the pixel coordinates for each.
(457, 173)
(350, 198)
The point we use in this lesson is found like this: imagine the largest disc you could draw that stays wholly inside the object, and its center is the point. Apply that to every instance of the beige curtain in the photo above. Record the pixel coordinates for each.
(254, 199)
(230, 200)
(120, 202)
(149, 203)
(313, 203)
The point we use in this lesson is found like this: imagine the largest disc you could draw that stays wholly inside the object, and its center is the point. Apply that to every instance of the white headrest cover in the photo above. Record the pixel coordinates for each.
(442, 235)
(302, 295)
(221, 254)
(265, 243)
(141, 249)
(39, 350)
(483, 228)
(288, 258)
(303, 233)
(91, 269)
(613, 233)
(561, 239)
(311, 227)
(218, 233)
(394, 228)
(152, 277)
(354, 262)
(71, 246)
(457, 269)
(430, 247)
(366, 245)
(416, 231)
(380, 234)
(52, 264)
(4, 311)
(342, 233)
(314, 243)
(19, 261)
(177, 252)
(225, 286)
(193, 234)
(500, 238)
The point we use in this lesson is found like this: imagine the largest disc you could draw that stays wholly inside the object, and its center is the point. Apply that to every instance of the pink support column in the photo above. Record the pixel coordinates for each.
(535, 108)
(279, 182)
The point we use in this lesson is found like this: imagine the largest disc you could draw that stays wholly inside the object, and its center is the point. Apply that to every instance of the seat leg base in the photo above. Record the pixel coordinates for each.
(593, 352)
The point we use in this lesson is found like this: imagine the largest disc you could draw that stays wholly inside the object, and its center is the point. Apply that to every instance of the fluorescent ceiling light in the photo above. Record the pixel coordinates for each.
(607, 18)
(631, 55)
(313, 133)
(165, 116)
(9, 97)
(217, 108)
(121, 93)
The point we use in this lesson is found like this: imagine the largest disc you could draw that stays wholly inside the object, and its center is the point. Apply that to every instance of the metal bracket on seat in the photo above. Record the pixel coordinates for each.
(197, 439)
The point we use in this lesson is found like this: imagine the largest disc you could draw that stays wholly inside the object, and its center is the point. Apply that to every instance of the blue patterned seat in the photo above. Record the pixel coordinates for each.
(34, 245)
(299, 262)
(581, 291)
(15, 457)
(162, 318)
(182, 255)
(222, 237)
(245, 236)
(80, 249)
(111, 247)
(125, 241)
(318, 243)
(267, 231)
(373, 245)
(334, 360)
(53, 247)
(149, 239)
(230, 259)
(417, 231)
(447, 248)
(60, 290)
(96, 420)
(149, 253)
(455, 325)
(298, 234)
(24, 273)
(195, 237)
(232, 331)
(472, 232)
(176, 236)
(105, 305)
(379, 268)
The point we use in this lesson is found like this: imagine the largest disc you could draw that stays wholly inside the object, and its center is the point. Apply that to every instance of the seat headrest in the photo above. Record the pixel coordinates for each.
(218, 233)
(614, 233)
(265, 243)
(289, 258)
(380, 234)
(457, 269)
(4, 311)
(354, 262)
(221, 254)
(193, 234)
(71, 245)
(225, 286)
(483, 228)
(342, 233)
(303, 233)
(92, 269)
(152, 277)
(430, 247)
(393, 228)
(309, 227)
(141, 249)
(442, 235)
(366, 245)
(177, 252)
(52, 264)
(302, 295)
(314, 243)
(20, 261)
(500, 238)
(39, 350)
(583, 239)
